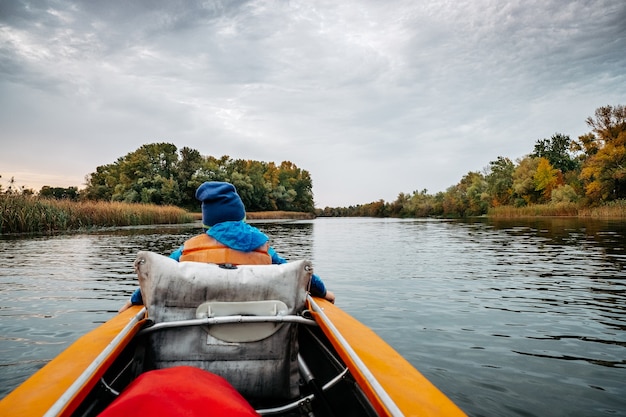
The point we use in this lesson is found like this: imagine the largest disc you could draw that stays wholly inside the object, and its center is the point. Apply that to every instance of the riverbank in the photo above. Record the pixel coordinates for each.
(27, 214)
(611, 210)
(270, 215)
(279, 215)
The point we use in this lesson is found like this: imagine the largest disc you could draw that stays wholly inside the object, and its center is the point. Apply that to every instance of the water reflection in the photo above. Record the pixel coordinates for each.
(581, 234)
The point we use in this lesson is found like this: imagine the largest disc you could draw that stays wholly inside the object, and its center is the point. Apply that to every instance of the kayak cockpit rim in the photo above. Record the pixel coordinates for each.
(300, 401)
(75, 388)
(59, 406)
(380, 392)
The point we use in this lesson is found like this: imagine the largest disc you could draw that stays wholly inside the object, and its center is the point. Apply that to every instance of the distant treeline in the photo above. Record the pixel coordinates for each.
(561, 175)
(159, 174)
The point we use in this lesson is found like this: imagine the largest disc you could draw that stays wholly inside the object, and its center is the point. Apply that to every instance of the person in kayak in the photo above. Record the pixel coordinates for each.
(228, 238)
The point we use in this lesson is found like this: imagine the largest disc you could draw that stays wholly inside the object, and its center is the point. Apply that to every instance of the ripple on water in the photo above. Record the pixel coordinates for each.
(508, 319)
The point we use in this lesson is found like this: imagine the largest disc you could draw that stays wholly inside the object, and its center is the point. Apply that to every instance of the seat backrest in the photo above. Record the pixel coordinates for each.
(259, 363)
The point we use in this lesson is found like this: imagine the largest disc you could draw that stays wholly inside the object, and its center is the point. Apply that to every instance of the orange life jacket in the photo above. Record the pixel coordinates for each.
(204, 248)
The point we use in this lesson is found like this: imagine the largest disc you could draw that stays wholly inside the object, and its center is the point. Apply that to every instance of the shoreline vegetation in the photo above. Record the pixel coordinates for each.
(610, 210)
(29, 214)
(21, 213)
(279, 215)
(268, 215)
(584, 177)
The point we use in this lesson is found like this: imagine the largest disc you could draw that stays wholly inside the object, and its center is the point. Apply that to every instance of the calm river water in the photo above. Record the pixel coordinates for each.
(524, 318)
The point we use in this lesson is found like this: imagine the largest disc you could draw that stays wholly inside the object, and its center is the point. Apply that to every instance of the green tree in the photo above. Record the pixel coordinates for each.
(155, 173)
(100, 184)
(295, 189)
(189, 164)
(524, 189)
(500, 181)
(557, 150)
(59, 193)
(564, 194)
(146, 175)
(248, 178)
(211, 169)
(259, 195)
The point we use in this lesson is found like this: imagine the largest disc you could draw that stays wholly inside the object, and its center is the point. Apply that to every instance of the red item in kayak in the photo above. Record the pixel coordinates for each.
(180, 391)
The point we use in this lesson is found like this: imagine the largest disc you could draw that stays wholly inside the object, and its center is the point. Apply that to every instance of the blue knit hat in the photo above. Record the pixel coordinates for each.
(220, 203)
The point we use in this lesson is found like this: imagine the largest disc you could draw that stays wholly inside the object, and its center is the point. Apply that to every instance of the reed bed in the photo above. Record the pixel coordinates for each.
(276, 215)
(268, 215)
(611, 210)
(535, 210)
(614, 209)
(28, 214)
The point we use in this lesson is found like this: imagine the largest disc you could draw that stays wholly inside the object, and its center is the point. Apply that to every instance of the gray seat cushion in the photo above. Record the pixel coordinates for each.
(173, 291)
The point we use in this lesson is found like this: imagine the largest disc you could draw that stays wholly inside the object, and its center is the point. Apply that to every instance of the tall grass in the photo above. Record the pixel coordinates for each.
(535, 210)
(268, 215)
(272, 215)
(28, 214)
(614, 209)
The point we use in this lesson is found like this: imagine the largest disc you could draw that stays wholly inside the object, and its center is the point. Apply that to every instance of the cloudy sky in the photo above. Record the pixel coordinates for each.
(372, 97)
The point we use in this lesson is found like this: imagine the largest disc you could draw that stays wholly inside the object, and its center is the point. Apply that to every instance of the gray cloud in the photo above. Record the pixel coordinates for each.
(373, 98)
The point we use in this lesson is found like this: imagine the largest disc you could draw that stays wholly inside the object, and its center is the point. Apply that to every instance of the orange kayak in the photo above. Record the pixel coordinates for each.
(323, 360)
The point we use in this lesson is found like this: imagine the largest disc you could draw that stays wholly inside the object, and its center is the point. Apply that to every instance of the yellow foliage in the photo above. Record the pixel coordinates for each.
(546, 178)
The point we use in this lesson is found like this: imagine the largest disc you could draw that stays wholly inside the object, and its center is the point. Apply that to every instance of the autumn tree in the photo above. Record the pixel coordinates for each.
(604, 169)
(374, 209)
(546, 178)
(467, 198)
(401, 206)
(609, 123)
